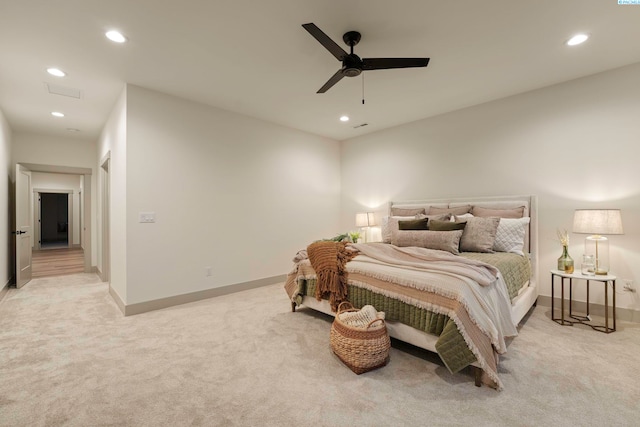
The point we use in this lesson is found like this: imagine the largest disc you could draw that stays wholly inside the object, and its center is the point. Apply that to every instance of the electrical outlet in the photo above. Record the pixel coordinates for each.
(628, 286)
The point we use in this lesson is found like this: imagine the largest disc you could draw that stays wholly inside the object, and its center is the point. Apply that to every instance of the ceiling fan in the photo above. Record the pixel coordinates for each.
(352, 65)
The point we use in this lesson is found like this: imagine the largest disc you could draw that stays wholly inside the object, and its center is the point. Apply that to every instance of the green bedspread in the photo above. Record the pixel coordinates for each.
(451, 346)
(515, 269)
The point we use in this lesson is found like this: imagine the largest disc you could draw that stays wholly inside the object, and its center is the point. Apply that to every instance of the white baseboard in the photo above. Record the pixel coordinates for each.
(624, 314)
(143, 307)
(5, 288)
(119, 302)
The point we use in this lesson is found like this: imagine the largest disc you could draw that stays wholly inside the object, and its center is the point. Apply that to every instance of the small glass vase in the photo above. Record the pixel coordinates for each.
(588, 266)
(565, 262)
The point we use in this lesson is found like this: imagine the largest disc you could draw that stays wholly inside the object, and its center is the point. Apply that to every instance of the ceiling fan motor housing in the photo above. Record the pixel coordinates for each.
(352, 65)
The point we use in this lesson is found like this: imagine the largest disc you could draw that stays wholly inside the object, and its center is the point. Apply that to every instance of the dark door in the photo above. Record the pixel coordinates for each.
(54, 220)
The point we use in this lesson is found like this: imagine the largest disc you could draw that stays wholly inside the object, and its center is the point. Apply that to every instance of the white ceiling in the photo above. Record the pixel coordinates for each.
(254, 58)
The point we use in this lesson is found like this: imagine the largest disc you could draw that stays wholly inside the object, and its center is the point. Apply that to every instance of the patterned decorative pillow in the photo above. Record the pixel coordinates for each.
(390, 223)
(510, 235)
(440, 240)
(479, 234)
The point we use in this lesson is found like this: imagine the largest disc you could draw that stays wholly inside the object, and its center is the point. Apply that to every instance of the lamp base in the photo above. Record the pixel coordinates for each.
(598, 246)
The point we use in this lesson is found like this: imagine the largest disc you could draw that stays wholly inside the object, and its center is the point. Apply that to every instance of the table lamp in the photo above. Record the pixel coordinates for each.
(365, 220)
(597, 222)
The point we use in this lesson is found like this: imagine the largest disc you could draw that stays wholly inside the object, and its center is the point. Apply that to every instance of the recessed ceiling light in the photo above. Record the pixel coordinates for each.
(57, 114)
(56, 72)
(115, 36)
(344, 118)
(577, 39)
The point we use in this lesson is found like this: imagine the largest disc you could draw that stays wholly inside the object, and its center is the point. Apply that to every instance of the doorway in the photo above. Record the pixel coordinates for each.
(24, 193)
(55, 225)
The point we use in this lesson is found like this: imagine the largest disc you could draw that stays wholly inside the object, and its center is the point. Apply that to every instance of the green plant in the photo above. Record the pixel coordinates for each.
(340, 237)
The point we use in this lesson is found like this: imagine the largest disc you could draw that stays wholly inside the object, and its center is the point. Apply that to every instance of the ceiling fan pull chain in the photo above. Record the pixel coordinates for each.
(362, 88)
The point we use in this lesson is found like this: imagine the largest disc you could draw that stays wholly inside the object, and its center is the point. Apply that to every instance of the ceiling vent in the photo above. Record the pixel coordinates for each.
(63, 91)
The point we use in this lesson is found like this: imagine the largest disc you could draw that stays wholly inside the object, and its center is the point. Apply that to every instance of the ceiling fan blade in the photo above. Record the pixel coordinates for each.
(333, 80)
(325, 41)
(386, 63)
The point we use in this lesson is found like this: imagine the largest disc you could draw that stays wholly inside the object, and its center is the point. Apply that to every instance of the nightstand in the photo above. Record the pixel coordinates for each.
(585, 320)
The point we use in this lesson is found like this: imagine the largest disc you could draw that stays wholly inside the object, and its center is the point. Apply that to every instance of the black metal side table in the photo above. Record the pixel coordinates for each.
(585, 320)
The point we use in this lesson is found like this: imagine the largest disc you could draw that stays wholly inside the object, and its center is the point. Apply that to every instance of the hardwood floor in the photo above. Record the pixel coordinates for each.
(56, 262)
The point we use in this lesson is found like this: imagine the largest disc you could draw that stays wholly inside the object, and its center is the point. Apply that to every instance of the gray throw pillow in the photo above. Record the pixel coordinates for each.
(479, 234)
(500, 213)
(390, 224)
(407, 211)
(441, 240)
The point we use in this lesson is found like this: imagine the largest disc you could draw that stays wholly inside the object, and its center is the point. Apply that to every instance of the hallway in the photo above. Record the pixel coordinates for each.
(57, 262)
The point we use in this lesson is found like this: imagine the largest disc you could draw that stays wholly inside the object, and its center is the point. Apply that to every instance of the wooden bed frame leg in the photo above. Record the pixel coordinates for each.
(477, 375)
(293, 306)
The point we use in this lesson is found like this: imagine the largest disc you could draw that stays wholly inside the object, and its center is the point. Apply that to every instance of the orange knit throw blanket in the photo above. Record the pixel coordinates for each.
(329, 260)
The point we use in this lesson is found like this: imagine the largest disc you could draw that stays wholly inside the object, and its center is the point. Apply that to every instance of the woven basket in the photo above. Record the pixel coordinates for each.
(362, 349)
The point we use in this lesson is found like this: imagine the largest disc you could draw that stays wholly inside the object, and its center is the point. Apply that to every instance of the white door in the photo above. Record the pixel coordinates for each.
(23, 226)
(106, 224)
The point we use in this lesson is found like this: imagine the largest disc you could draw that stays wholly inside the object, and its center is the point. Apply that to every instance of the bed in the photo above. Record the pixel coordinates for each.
(456, 290)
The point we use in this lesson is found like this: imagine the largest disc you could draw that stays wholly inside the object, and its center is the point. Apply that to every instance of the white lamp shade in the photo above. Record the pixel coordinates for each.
(365, 219)
(597, 221)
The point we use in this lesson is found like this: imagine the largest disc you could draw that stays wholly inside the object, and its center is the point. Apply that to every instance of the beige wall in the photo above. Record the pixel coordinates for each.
(574, 145)
(6, 259)
(241, 196)
(113, 143)
(233, 193)
(54, 150)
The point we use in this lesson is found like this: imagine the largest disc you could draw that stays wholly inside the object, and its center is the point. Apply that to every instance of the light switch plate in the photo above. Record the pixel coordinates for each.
(147, 217)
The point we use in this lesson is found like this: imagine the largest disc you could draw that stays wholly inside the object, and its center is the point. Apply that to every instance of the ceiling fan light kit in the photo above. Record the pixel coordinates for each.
(352, 64)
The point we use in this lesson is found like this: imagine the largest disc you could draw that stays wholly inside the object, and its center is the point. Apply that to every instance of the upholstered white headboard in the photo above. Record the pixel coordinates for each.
(498, 202)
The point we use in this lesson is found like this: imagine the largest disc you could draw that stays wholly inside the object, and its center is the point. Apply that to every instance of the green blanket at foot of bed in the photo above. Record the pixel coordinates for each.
(451, 347)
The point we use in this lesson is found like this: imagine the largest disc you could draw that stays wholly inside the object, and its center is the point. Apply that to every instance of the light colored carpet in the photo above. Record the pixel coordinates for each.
(69, 358)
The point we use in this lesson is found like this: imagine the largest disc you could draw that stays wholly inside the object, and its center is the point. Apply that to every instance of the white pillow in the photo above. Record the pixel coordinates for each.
(510, 235)
(455, 218)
